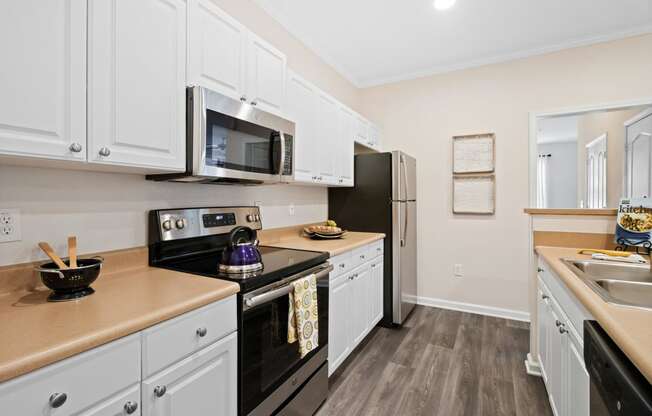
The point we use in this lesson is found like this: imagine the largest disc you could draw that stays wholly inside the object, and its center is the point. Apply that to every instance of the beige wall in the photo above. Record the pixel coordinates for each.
(589, 127)
(301, 59)
(420, 117)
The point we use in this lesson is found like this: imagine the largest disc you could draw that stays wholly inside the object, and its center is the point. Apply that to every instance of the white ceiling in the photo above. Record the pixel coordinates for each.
(373, 42)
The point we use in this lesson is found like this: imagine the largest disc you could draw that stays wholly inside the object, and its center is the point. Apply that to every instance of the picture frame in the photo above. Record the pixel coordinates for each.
(474, 154)
(474, 194)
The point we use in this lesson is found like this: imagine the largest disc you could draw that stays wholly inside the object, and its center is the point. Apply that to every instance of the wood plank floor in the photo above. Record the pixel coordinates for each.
(443, 363)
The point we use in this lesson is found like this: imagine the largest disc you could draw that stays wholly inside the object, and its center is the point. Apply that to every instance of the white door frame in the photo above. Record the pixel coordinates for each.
(568, 111)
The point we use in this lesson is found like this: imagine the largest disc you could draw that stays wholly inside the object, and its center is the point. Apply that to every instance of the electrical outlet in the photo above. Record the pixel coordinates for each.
(291, 209)
(458, 271)
(9, 225)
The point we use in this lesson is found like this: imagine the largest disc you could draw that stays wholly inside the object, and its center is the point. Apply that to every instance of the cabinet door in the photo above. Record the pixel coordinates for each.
(301, 108)
(555, 365)
(339, 322)
(577, 381)
(43, 82)
(362, 130)
(266, 67)
(376, 291)
(137, 60)
(361, 301)
(345, 155)
(122, 404)
(544, 318)
(203, 384)
(328, 138)
(217, 49)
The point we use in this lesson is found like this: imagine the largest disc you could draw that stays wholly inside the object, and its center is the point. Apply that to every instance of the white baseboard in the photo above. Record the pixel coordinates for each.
(473, 308)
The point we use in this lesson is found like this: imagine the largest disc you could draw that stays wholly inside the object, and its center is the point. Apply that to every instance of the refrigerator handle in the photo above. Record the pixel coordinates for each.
(405, 225)
(405, 178)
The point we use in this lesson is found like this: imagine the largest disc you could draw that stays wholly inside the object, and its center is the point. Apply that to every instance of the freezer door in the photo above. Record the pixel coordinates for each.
(405, 260)
(404, 177)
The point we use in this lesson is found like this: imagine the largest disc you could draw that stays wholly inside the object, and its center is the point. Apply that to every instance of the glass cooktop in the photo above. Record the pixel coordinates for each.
(278, 263)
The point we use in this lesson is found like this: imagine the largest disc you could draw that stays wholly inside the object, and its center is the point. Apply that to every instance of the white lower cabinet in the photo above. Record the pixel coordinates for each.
(560, 344)
(203, 384)
(108, 381)
(355, 300)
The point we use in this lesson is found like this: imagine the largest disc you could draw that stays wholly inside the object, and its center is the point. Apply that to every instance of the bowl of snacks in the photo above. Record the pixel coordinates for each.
(638, 223)
(330, 230)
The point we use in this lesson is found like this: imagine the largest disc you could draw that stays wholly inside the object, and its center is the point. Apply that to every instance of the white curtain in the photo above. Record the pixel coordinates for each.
(542, 181)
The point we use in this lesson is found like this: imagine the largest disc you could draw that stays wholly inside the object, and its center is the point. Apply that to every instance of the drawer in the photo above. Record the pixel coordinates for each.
(375, 249)
(86, 380)
(341, 264)
(173, 340)
(359, 256)
(118, 404)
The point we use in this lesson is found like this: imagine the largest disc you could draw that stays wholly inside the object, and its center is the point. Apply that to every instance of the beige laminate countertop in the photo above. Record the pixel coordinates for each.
(349, 241)
(35, 333)
(630, 328)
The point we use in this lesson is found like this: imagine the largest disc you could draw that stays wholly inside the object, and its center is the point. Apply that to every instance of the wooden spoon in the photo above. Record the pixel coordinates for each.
(72, 251)
(51, 254)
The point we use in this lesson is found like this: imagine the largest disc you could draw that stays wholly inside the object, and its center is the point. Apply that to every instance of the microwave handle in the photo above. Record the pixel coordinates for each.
(282, 157)
(277, 293)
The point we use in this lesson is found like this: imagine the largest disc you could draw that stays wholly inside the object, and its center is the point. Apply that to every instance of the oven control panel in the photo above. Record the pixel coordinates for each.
(176, 224)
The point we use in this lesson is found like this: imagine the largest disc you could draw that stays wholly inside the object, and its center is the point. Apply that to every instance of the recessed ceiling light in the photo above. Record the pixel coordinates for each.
(443, 4)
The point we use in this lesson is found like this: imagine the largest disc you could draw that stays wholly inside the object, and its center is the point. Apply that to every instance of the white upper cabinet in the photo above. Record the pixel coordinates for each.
(328, 142)
(362, 130)
(374, 136)
(226, 57)
(301, 108)
(43, 82)
(217, 49)
(266, 75)
(345, 158)
(136, 113)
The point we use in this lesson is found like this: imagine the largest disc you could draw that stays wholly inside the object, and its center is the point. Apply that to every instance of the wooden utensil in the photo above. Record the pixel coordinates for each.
(72, 251)
(51, 254)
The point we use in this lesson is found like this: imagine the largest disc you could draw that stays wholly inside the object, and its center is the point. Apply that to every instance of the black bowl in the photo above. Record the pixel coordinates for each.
(74, 283)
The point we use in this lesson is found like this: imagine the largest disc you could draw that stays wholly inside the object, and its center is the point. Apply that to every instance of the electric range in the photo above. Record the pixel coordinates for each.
(273, 378)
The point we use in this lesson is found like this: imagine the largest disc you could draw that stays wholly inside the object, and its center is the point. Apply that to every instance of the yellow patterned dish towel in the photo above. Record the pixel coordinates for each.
(303, 315)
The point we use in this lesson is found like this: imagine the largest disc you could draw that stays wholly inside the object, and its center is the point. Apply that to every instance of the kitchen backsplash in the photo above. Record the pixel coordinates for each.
(108, 211)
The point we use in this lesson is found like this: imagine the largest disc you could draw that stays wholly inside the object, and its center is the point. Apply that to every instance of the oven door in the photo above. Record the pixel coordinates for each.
(267, 360)
(234, 140)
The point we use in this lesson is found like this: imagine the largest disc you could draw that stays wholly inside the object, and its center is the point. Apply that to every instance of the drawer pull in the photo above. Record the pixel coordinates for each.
(540, 270)
(130, 407)
(342, 266)
(362, 256)
(562, 330)
(378, 248)
(58, 399)
(557, 323)
(159, 391)
(544, 297)
(201, 332)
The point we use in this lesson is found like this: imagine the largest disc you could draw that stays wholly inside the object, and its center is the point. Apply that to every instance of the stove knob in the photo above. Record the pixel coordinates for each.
(167, 225)
(180, 223)
(257, 217)
(250, 218)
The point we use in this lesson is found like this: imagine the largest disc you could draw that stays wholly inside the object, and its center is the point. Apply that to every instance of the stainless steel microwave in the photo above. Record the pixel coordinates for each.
(231, 141)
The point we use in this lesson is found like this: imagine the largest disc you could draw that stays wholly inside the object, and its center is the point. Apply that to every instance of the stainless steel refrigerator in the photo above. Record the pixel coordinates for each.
(384, 200)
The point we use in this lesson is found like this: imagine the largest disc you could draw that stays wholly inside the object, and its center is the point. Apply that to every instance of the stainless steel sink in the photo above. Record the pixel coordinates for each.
(618, 283)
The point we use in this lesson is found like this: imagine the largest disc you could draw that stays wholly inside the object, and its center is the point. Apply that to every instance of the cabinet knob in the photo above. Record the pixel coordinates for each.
(159, 391)
(58, 399)
(544, 297)
(105, 152)
(75, 147)
(243, 98)
(540, 270)
(254, 103)
(557, 323)
(562, 330)
(361, 256)
(130, 407)
(201, 332)
(342, 266)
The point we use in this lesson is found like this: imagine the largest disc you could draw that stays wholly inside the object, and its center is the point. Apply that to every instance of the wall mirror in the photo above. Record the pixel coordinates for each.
(590, 159)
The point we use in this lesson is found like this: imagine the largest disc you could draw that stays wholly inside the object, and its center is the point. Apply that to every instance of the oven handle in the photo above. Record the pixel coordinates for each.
(281, 291)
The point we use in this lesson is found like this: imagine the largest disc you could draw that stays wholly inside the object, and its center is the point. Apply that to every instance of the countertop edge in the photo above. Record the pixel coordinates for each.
(600, 311)
(79, 345)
